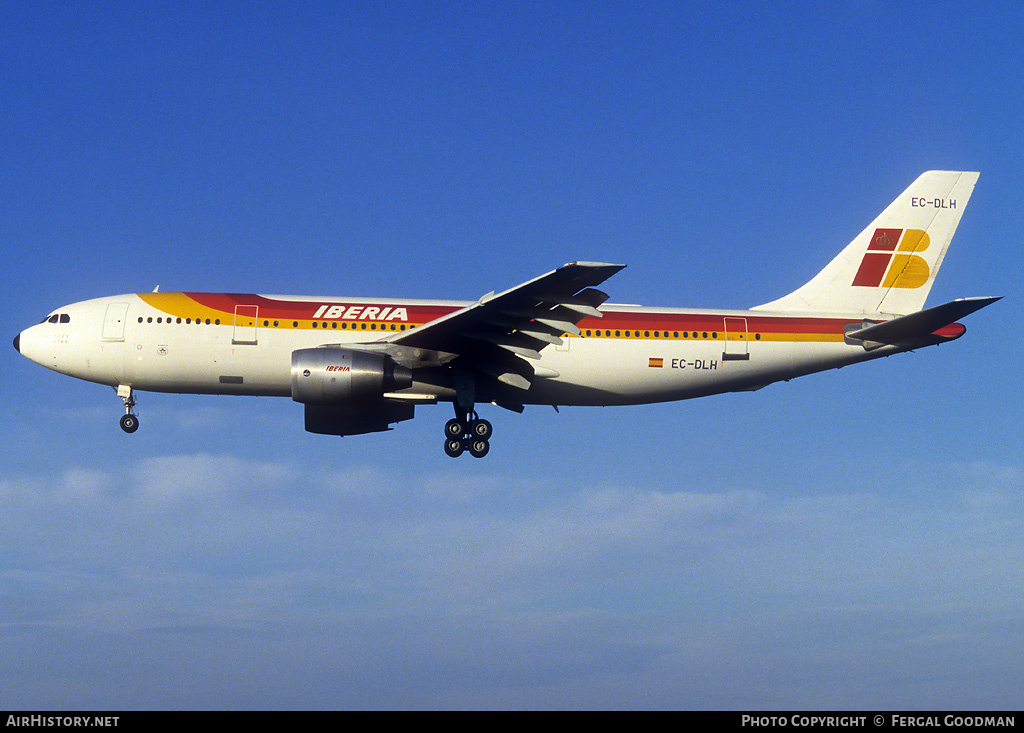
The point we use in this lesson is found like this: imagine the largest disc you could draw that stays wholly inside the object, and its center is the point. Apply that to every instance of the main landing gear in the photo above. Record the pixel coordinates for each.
(467, 433)
(129, 421)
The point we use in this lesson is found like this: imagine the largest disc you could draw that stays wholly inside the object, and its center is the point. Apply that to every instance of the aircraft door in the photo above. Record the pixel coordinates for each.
(113, 322)
(736, 337)
(245, 324)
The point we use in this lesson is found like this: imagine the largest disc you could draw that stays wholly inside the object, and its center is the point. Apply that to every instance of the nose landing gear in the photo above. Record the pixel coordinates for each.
(129, 421)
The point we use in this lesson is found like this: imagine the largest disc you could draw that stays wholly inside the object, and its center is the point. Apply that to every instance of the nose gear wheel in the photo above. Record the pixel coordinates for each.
(129, 421)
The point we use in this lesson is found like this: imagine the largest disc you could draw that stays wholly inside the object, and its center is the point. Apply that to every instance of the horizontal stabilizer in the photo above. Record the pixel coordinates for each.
(922, 325)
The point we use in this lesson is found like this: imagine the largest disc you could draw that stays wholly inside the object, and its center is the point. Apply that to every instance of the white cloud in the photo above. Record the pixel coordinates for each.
(76, 486)
(169, 482)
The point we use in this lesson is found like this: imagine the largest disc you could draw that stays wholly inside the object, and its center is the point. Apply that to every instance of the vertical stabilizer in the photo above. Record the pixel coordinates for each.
(891, 265)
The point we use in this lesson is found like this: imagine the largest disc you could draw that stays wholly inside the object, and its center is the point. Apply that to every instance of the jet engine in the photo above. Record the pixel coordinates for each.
(343, 390)
(333, 375)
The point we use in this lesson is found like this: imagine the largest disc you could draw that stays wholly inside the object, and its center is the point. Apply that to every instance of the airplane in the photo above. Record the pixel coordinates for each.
(360, 365)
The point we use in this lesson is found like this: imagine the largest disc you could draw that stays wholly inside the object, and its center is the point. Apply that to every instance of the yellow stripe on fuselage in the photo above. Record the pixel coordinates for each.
(180, 305)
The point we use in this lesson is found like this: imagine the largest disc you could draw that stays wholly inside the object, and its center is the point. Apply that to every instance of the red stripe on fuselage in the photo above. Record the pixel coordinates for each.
(305, 310)
(639, 320)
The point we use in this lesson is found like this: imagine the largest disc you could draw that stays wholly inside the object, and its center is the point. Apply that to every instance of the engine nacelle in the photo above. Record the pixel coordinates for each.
(333, 375)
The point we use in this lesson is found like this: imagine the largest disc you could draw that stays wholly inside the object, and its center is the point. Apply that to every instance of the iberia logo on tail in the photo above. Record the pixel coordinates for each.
(890, 262)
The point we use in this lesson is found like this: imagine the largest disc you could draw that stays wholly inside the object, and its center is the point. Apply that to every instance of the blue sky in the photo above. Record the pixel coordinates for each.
(846, 540)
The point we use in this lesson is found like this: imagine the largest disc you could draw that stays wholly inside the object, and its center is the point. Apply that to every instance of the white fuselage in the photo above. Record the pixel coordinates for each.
(173, 342)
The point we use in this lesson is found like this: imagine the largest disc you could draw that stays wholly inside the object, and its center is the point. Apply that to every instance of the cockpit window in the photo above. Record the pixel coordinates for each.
(57, 318)
(65, 318)
(52, 319)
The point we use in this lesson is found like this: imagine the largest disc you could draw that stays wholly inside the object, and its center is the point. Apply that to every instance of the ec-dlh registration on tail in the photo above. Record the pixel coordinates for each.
(359, 365)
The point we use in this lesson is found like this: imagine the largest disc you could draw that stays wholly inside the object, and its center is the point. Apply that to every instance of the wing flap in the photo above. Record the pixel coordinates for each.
(584, 302)
(560, 325)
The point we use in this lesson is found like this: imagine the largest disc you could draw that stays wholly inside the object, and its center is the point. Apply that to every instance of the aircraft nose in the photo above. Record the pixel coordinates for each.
(17, 342)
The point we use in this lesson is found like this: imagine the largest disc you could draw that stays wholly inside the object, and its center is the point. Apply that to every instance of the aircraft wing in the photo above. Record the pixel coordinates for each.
(489, 336)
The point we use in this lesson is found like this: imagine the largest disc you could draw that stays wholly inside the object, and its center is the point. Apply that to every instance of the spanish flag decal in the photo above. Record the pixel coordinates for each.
(655, 363)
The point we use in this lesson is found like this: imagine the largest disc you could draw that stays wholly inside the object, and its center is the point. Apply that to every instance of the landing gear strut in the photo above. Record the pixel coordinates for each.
(129, 421)
(467, 432)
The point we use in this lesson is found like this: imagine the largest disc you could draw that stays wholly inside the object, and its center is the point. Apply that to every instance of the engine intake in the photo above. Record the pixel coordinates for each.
(332, 375)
